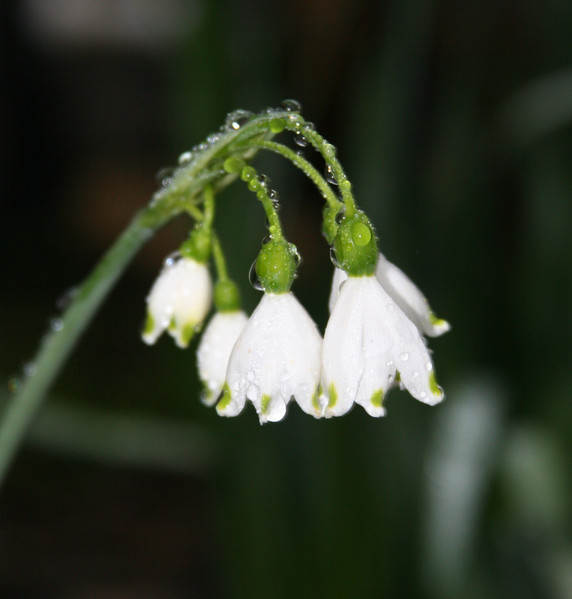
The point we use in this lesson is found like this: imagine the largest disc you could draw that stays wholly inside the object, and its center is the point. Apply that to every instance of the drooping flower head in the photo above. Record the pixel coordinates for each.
(370, 341)
(181, 296)
(278, 354)
(179, 301)
(218, 339)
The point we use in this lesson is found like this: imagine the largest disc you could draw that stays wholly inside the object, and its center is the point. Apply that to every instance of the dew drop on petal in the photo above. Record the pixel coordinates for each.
(428, 367)
(404, 356)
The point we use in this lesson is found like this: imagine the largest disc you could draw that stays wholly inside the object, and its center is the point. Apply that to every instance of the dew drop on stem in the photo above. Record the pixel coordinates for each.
(290, 105)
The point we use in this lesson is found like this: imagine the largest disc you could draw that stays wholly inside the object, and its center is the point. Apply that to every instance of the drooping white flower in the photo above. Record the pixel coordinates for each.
(368, 341)
(276, 357)
(179, 301)
(405, 294)
(214, 350)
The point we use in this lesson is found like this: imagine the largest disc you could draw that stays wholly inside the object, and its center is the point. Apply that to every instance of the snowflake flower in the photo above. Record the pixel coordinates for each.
(369, 340)
(179, 301)
(276, 357)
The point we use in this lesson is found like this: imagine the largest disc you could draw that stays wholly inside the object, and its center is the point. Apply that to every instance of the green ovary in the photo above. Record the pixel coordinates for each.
(435, 389)
(265, 403)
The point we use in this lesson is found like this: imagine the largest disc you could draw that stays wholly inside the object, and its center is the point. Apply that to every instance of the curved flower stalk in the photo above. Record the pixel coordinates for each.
(179, 301)
(276, 357)
(214, 350)
(405, 294)
(369, 341)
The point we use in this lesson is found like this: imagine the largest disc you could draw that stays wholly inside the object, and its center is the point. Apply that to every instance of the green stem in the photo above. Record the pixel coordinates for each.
(218, 255)
(328, 152)
(306, 167)
(58, 344)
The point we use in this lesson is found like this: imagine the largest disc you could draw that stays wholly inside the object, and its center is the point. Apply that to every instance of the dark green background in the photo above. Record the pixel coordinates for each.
(452, 120)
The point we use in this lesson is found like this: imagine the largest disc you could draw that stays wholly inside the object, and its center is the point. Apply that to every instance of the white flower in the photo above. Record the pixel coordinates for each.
(179, 301)
(368, 340)
(405, 294)
(213, 352)
(277, 356)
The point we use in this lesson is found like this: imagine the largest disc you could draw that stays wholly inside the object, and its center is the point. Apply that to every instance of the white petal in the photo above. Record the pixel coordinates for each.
(368, 340)
(277, 356)
(409, 298)
(179, 301)
(403, 291)
(214, 351)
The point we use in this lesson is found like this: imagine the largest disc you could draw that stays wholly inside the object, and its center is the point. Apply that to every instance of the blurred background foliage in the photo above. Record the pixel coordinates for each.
(453, 120)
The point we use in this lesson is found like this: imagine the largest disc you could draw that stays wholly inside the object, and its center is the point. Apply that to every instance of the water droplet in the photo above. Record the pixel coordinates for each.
(263, 179)
(334, 258)
(273, 195)
(404, 356)
(416, 374)
(250, 375)
(329, 150)
(300, 139)
(428, 367)
(200, 147)
(185, 157)
(277, 125)
(291, 105)
(390, 363)
(295, 254)
(253, 277)
(253, 393)
(329, 173)
(56, 324)
(171, 259)
(340, 217)
(66, 298)
(165, 176)
(267, 239)
(29, 369)
(236, 119)
(213, 138)
(423, 395)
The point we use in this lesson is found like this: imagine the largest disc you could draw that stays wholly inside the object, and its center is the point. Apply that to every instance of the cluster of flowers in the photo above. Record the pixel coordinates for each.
(374, 340)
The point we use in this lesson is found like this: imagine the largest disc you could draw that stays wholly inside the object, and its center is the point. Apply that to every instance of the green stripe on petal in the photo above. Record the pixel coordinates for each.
(225, 399)
(149, 324)
(377, 399)
(265, 403)
(435, 389)
(332, 396)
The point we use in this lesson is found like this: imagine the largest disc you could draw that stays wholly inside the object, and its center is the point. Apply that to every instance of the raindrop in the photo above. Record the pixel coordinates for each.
(291, 105)
(165, 176)
(56, 324)
(340, 217)
(29, 369)
(422, 395)
(404, 356)
(428, 367)
(416, 374)
(172, 259)
(295, 254)
(200, 147)
(264, 180)
(185, 157)
(66, 298)
(253, 277)
(330, 178)
(333, 257)
(329, 150)
(236, 119)
(300, 139)
(213, 138)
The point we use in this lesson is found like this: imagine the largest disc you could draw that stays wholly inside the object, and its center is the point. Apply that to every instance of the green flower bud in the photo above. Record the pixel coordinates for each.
(276, 266)
(198, 246)
(226, 296)
(355, 246)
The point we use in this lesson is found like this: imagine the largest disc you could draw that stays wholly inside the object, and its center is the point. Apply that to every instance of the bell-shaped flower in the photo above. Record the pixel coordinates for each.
(369, 340)
(405, 294)
(179, 301)
(214, 350)
(276, 357)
